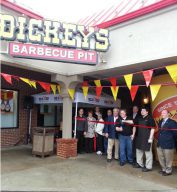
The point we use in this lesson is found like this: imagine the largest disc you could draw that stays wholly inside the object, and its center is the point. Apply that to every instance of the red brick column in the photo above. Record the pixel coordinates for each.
(66, 148)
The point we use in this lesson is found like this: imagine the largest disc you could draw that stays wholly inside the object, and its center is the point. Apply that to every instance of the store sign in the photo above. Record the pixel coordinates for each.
(53, 40)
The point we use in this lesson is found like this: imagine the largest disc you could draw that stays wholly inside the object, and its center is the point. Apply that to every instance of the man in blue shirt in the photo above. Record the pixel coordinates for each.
(166, 143)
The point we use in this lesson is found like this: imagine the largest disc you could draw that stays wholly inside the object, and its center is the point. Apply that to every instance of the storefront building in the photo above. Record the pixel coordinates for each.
(141, 40)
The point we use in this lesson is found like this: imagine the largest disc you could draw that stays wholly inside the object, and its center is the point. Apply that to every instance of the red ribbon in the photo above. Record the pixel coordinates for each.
(133, 125)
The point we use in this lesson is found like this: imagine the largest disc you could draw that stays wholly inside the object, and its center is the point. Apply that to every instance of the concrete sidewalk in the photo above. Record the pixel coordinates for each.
(86, 173)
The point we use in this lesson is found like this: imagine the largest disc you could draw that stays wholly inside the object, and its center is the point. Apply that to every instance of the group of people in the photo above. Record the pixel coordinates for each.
(128, 139)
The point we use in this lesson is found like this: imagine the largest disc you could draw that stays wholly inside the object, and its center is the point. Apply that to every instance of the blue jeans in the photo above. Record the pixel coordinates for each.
(125, 144)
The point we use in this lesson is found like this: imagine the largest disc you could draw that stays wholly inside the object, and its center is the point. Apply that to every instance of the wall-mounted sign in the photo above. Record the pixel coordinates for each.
(54, 40)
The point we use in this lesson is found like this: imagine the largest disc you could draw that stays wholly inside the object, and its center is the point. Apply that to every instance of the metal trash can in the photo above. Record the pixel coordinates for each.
(43, 141)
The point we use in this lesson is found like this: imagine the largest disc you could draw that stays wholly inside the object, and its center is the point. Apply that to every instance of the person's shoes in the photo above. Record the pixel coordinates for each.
(129, 162)
(161, 172)
(122, 163)
(146, 170)
(136, 165)
(109, 160)
(116, 159)
(166, 174)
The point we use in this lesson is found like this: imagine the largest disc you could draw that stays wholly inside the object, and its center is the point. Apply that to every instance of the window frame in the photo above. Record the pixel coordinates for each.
(18, 105)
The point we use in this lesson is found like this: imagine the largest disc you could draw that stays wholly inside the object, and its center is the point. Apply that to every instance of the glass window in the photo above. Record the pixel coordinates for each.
(9, 108)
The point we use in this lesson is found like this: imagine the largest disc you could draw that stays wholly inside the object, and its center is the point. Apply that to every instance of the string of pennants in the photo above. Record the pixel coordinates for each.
(33, 83)
(154, 89)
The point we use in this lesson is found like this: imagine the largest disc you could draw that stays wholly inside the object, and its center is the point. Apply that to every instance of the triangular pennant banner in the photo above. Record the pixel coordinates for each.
(85, 91)
(154, 91)
(97, 83)
(25, 80)
(172, 70)
(53, 87)
(176, 85)
(33, 84)
(71, 93)
(133, 91)
(128, 79)
(45, 86)
(148, 76)
(85, 83)
(114, 91)
(7, 77)
(98, 91)
(113, 81)
(58, 88)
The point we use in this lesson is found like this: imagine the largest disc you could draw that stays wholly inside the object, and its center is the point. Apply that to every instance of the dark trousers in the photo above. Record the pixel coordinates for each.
(89, 145)
(99, 143)
(80, 142)
(105, 145)
(134, 149)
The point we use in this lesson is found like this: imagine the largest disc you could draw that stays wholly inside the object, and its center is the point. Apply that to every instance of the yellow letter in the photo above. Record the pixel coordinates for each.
(51, 32)
(34, 36)
(85, 37)
(21, 36)
(68, 39)
(103, 40)
(7, 27)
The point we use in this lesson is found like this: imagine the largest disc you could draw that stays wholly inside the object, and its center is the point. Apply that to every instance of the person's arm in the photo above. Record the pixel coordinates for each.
(134, 131)
(128, 121)
(151, 136)
(86, 126)
(118, 126)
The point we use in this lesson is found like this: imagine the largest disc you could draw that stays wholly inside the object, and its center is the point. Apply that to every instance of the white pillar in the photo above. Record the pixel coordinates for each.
(67, 118)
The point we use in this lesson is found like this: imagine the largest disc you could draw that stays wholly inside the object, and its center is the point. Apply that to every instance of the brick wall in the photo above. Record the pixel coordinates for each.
(12, 136)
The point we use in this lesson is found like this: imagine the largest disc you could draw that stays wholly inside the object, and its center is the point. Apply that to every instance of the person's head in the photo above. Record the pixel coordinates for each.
(90, 113)
(99, 116)
(123, 113)
(81, 111)
(135, 109)
(144, 111)
(97, 109)
(109, 112)
(165, 114)
(116, 112)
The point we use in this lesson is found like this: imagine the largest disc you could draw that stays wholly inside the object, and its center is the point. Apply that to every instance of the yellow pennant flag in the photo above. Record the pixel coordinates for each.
(172, 70)
(128, 79)
(97, 83)
(85, 90)
(53, 87)
(71, 93)
(59, 89)
(33, 84)
(26, 80)
(114, 91)
(154, 91)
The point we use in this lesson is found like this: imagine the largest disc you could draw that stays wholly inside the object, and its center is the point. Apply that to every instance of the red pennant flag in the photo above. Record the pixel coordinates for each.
(176, 85)
(148, 76)
(7, 77)
(113, 81)
(45, 86)
(85, 84)
(133, 91)
(98, 91)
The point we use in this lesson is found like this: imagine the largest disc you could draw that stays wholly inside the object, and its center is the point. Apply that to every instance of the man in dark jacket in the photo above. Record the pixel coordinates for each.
(166, 143)
(135, 116)
(110, 133)
(109, 113)
(81, 129)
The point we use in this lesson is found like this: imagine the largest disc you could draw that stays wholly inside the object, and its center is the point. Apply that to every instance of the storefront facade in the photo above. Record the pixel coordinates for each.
(142, 40)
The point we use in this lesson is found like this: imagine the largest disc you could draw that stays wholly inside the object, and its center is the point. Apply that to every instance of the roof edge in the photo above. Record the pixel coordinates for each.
(138, 13)
(20, 9)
